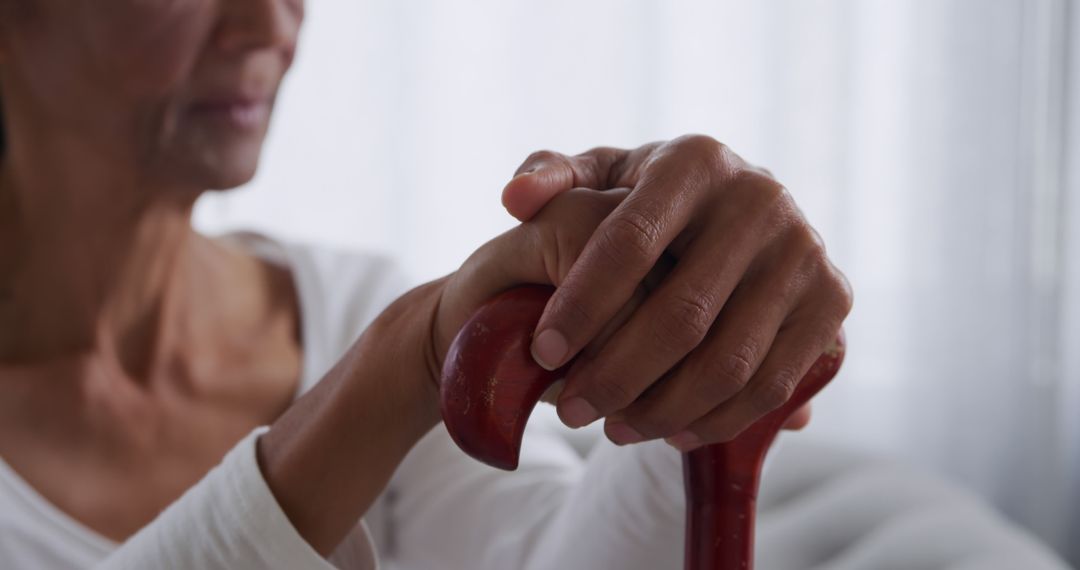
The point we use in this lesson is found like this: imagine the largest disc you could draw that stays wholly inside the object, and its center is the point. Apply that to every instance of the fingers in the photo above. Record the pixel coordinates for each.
(795, 349)
(622, 250)
(671, 323)
(551, 396)
(546, 174)
(789, 279)
(723, 364)
(616, 258)
(719, 216)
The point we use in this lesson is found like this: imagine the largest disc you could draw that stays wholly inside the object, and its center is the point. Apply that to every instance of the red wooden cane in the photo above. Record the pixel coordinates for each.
(490, 385)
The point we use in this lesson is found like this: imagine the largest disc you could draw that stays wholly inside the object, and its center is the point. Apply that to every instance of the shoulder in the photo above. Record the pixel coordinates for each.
(340, 291)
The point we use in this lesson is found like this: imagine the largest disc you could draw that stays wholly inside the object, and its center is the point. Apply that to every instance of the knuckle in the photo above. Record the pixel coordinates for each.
(573, 313)
(630, 238)
(770, 193)
(602, 158)
(838, 291)
(761, 196)
(804, 239)
(703, 146)
(762, 171)
(542, 156)
(726, 376)
(684, 322)
(845, 293)
(813, 240)
(774, 392)
(730, 373)
(711, 154)
(834, 287)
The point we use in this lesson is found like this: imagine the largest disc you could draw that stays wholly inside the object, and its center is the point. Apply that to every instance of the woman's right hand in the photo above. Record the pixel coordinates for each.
(541, 251)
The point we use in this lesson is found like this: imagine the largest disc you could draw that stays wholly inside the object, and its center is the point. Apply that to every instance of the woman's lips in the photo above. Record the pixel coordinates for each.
(244, 114)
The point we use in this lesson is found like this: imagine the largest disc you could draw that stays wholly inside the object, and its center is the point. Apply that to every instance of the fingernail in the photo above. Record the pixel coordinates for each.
(549, 349)
(684, 440)
(577, 412)
(622, 434)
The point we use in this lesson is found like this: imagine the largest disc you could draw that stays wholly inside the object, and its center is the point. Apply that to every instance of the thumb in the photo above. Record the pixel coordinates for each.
(546, 174)
(541, 252)
(529, 191)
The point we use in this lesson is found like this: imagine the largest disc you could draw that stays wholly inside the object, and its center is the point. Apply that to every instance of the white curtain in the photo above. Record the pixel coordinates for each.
(934, 143)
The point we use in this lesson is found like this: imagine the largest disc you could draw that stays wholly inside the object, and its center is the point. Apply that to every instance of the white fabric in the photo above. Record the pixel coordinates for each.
(35, 534)
(231, 520)
(826, 508)
(616, 508)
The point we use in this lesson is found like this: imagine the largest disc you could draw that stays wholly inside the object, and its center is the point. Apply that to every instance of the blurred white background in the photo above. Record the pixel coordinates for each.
(934, 143)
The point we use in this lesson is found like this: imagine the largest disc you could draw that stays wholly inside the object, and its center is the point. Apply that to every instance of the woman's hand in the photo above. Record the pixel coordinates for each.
(751, 300)
(541, 250)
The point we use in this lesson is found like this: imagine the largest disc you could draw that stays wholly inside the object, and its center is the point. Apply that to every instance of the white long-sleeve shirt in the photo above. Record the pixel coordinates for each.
(619, 508)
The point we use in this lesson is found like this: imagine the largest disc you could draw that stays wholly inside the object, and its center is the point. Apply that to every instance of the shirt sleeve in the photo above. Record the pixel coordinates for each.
(230, 519)
(620, 507)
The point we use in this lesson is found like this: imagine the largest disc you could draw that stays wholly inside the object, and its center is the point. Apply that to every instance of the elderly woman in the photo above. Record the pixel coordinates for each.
(168, 399)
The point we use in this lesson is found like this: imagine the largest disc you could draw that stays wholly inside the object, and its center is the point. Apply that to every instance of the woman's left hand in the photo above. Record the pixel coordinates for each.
(750, 303)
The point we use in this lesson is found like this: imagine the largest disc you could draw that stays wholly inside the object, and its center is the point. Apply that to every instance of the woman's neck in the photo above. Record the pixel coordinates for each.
(85, 266)
(98, 258)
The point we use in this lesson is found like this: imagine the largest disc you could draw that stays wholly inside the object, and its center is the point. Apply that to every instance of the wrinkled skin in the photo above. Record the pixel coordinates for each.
(743, 296)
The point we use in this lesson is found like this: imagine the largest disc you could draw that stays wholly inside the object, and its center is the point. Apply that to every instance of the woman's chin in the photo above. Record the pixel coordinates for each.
(230, 179)
(220, 168)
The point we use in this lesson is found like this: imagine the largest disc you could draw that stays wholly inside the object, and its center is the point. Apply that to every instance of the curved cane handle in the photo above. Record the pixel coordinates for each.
(490, 382)
(490, 385)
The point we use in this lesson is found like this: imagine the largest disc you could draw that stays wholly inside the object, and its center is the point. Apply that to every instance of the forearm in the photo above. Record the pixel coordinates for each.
(332, 453)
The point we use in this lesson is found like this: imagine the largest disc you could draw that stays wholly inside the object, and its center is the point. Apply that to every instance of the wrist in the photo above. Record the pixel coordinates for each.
(402, 341)
(328, 457)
